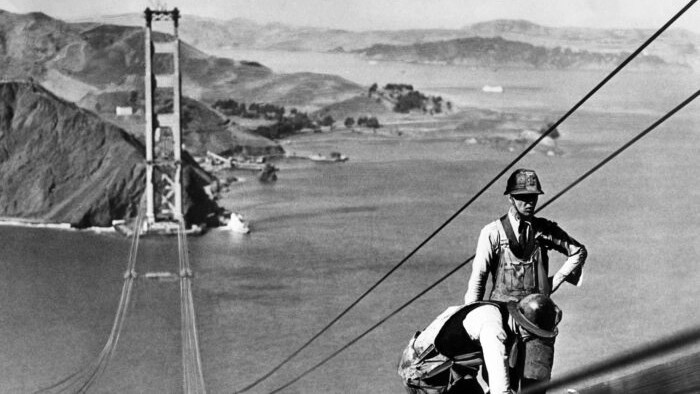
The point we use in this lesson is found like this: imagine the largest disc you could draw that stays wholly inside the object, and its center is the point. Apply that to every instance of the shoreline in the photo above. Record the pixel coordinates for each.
(238, 226)
(36, 223)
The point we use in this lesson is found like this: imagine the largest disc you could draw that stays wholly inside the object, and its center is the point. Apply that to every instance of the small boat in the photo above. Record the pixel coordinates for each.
(334, 157)
(236, 224)
(166, 276)
(492, 89)
(244, 165)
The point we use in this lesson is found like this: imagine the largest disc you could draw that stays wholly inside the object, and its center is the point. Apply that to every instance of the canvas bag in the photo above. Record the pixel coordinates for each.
(441, 355)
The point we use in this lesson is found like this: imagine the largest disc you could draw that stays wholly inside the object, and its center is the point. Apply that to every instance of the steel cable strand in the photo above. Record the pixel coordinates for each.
(629, 357)
(114, 339)
(458, 267)
(183, 337)
(187, 347)
(188, 351)
(95, 368)
(110, 347)
(86, 374)
(197, 354)
(83, 374)
(183, 320)
(551, 128)
(191, 355)
(129, 277)
(197, 359)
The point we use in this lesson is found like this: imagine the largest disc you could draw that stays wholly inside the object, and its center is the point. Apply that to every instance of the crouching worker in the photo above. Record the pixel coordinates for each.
(447, 355)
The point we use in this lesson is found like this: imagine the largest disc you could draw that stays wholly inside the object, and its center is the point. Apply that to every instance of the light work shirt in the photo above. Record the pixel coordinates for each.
(485, 325)
(549, 236)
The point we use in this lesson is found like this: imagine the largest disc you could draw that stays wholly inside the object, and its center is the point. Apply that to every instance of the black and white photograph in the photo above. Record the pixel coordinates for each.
(356, 196)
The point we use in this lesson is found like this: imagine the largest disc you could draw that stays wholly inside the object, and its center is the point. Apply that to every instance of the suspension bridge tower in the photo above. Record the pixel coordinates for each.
(163, 127)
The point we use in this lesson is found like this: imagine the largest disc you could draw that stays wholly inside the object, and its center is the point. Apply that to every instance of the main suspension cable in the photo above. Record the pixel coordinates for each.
(551, 128)
(193, 377)
(457, 268)
(630, 357)
(81, 380)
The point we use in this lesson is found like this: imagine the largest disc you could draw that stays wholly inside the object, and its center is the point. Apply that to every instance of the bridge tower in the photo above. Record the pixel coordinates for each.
(163, 128)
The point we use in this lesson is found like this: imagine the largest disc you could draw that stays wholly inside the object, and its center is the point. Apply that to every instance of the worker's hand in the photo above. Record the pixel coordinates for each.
(557, 280)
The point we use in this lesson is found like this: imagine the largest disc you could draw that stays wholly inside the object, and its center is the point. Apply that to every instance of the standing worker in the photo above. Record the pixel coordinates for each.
(513, 250)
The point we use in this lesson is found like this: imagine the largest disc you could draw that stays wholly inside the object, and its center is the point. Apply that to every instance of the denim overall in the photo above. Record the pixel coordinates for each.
(521, 270)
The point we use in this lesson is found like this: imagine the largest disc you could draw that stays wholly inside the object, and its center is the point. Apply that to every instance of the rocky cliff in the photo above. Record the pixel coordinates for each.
(63, 164)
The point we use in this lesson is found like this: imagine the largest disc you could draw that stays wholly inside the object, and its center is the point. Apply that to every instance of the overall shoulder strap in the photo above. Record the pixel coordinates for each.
(513, 242)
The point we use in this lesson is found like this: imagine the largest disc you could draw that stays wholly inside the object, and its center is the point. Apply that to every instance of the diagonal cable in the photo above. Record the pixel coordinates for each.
(630, 357)
(551, 128)
(457, 268)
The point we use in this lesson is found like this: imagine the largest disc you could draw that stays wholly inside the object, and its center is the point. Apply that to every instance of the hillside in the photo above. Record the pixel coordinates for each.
(356, 107)
(29, 41)
(301, 90)
(62, 164)
(209, 33)
(203, 128)
(77, 59)
(675, 46)
(498, 52)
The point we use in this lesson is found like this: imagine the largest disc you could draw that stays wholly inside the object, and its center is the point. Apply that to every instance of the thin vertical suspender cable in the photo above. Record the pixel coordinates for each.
(457, 268)
(551, 128)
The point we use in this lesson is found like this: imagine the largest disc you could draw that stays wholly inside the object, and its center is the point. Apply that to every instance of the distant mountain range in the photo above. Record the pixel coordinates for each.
(498, 52)
(77, 59)
(676, 47)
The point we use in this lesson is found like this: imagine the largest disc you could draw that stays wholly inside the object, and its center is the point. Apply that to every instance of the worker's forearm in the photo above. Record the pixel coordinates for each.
(575, 261)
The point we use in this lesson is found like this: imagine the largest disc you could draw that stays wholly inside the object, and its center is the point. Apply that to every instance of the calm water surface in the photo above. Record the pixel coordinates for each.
(324, 233)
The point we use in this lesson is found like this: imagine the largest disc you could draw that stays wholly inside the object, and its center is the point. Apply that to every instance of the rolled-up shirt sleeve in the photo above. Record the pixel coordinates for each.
(552, 236)
(481, 265)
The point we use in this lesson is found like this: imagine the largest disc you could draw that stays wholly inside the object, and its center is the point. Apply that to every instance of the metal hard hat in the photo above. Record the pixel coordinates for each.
(523, 181)
(538, 314)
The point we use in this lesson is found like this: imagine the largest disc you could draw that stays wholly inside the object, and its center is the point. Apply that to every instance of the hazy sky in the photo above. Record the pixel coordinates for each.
(393, 14)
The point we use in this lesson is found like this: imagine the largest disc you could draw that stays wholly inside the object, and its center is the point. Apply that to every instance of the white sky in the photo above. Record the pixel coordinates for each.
(393, 14)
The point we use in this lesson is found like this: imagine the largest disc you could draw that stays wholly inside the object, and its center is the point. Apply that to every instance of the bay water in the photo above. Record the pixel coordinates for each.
(323, 233)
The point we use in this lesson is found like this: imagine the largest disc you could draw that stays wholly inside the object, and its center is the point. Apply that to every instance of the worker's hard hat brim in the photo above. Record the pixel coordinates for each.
(519, 192)
(527, 324)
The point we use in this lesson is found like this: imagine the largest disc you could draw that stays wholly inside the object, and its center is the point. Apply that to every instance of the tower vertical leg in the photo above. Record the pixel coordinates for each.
(148, 96)
(177, 132)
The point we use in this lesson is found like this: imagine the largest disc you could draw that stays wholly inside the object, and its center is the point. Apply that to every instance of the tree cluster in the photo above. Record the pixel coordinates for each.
(231, 107)
(413, 100)
(406, 98)
(398, 87)
(370, 122)
(287, 125)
